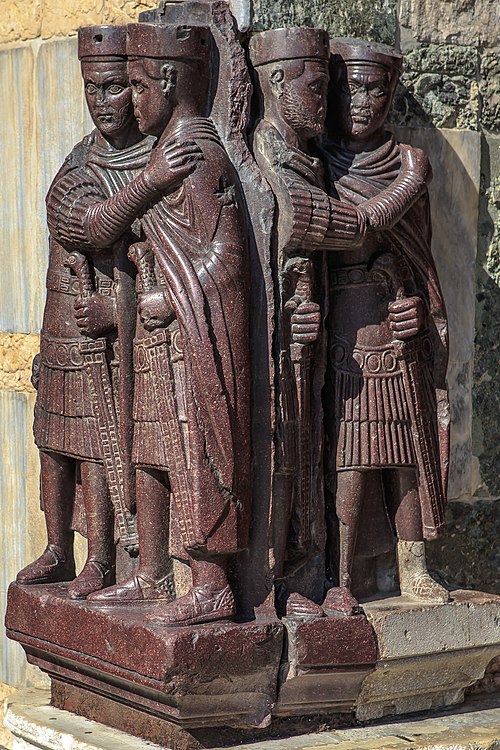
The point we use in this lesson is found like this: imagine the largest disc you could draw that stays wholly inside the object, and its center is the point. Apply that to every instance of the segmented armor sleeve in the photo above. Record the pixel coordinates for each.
(391, 204)
(321, 222)
(107, 221)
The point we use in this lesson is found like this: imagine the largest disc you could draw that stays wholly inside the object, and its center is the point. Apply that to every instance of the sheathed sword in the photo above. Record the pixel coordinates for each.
(101, 392)
(301, 355)
(430, 487)
(163, 378)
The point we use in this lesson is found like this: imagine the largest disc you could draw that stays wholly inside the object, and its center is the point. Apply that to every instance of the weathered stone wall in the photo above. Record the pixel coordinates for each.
(448, 103)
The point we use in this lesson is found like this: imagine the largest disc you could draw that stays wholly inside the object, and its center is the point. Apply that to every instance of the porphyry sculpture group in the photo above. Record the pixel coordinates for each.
(169, 298)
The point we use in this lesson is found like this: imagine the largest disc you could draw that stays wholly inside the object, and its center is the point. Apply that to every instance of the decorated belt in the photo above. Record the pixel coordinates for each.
(61, 354)
(359, 274)
(164, 336)
(377, 360)
(66, 283)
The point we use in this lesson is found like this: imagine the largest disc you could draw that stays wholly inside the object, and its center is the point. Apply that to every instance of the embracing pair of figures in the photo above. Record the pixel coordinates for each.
(143, 408)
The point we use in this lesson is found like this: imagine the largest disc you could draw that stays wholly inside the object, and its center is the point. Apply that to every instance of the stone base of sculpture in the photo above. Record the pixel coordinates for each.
(246, 680)
(220, 674)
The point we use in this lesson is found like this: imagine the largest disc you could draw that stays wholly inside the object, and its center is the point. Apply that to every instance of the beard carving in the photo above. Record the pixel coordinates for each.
(298, 117)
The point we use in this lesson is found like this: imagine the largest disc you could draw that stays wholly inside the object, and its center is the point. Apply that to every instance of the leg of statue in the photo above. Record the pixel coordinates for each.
(98, 571)
(404, 507)
(352, 487)
(154, 580)
(57, 562)
(210, 598)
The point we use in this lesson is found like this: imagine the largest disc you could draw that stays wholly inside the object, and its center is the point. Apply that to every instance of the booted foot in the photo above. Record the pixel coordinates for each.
(414, 578)
(139, 588)
(53, 566)
(200, 604)
(299, 606)
(339, 602)
(94, 577)
(425, 589)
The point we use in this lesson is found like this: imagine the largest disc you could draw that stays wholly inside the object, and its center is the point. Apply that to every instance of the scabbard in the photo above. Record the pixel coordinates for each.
(301, 357)
(96, 365)
(161, 366)
(431, 492)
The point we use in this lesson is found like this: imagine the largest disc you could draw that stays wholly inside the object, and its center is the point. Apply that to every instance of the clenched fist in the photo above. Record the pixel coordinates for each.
(306, 321)
(154, 309)
(406, 317)
(95, 315)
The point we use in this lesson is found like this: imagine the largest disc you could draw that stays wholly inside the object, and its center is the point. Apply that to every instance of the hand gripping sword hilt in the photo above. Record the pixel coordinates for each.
(79, 264)
(141, 254)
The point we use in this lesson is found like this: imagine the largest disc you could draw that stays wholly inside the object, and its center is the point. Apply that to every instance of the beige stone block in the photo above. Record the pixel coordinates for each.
(20, 21)
(428, 654)
(455, 156)
(475, 23)
(62, 19)
(16, 355)
(421, 683)
(124, 12)
(65, 19)
(406, 628)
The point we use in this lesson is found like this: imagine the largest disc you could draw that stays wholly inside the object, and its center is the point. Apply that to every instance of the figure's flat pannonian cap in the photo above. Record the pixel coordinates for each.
(102, 41)
(167, 42)
(289, 44)
(361, 51)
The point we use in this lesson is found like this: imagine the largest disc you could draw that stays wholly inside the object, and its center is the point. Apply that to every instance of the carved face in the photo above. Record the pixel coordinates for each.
(364, 99)
(152, 82)
(108, 95)
(303, 98)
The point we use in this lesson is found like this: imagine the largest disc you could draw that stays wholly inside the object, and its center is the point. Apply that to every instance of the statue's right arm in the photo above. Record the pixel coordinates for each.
(80, 216)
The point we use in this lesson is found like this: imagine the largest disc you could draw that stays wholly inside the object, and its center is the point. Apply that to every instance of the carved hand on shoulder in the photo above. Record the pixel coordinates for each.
(170, 164)
(406, 316)
(154, 309)
(95, 315)
(306, 322)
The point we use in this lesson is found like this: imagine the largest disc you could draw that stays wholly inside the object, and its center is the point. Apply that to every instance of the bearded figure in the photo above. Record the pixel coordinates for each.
(387, 412)
(291, 66)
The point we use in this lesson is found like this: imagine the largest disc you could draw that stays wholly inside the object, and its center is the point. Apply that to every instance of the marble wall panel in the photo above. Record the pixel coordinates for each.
(17, 187)
(44, 116)
(455, 156)
(22, 537)
(61, 121)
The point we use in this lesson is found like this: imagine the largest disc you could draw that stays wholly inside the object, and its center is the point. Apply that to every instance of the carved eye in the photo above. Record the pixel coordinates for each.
(115, 88)
(91, 88)
(352, 87)
(316, 87)
(378, 91)
(138, 87)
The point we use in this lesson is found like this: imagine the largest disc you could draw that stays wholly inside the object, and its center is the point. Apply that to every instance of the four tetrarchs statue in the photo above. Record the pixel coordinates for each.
(144, 408)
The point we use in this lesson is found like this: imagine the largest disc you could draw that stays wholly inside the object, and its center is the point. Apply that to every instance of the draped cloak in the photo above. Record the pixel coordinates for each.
(356, 178)
(206, 273)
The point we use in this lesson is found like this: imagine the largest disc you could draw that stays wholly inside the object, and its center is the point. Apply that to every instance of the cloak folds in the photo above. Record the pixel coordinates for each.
(207, 280)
